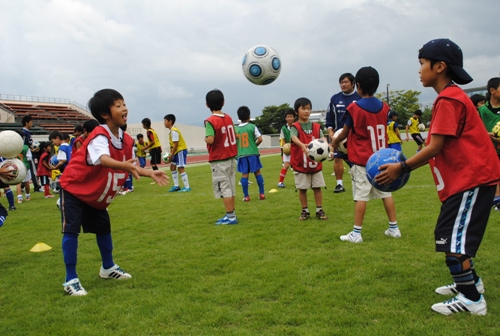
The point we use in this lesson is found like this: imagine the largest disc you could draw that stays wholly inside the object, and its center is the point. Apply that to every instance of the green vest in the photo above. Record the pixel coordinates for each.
(246, 140)
(286, 134)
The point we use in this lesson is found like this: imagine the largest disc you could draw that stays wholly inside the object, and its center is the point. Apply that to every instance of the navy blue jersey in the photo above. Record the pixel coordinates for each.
(337, 108)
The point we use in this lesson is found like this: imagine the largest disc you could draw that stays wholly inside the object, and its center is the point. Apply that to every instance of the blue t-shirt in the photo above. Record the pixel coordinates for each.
(338, 107)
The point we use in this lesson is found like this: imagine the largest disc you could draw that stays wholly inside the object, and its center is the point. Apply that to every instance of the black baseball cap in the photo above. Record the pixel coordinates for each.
(446, 50)
(367, 74)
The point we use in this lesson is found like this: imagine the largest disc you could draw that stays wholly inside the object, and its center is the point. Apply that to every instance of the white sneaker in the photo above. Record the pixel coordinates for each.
(452, 289)
(352, 237)
(461, 304)
(114, 272)
(74, 288)
(394, 233)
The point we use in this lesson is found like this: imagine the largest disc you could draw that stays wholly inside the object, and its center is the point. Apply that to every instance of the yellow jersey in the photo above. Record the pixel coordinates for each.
(181, 144)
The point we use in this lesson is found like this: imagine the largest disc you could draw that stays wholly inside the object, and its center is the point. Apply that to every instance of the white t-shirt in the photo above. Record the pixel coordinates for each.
(99, 146)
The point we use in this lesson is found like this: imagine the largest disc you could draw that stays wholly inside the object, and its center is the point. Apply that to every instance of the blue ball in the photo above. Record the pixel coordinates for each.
(53, 160)
(382, 157)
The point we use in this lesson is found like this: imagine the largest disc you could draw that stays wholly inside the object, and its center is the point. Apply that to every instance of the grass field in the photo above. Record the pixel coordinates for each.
(270, 275)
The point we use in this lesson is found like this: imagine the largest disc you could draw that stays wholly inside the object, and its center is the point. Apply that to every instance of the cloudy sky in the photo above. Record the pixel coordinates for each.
(164, 55)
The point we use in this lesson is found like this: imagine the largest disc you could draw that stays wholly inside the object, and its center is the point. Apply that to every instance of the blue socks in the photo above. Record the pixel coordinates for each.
(10, 197)
(105, 244)
(260, 182)
(69, 248)
(244, 185)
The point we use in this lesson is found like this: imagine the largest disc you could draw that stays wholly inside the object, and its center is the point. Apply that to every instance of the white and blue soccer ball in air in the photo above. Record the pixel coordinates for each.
(318, 150)
(261, 65)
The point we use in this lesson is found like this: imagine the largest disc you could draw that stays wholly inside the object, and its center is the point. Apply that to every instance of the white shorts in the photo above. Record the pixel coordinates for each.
(223, 178)
(309, 181)
(362, 189)
(28, 175)
(286, 158)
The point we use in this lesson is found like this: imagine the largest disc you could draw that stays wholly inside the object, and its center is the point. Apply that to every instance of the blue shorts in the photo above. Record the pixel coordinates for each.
(75, 214)
(339, 155)
(249, 164)
(396, 146)
(179, 159)
(142, 161)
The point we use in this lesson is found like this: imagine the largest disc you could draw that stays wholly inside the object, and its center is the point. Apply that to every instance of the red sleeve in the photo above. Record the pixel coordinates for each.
(448, 117)
(151, 137)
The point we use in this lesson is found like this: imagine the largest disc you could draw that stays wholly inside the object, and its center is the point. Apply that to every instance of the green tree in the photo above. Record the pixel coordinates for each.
(404, 102)
(272, 118)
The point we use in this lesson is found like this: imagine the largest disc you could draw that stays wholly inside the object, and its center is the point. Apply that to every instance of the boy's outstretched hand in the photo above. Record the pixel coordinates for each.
(160, 177)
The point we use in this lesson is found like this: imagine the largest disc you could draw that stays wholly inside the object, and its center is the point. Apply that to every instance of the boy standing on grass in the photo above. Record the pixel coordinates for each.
(25, 156)
(248, 138)
(412, 126)
(286, 138)
(45, 169)
(141, 153)
(178, 155)
(308, 173)
(91, 181)
(222, 149)
(465, 187)
(154, 145)
(393, 137)
(365, 125)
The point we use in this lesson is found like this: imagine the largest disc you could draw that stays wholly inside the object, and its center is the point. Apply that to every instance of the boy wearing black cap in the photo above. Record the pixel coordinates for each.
(393, 137)
(466, 196)
(365, 122)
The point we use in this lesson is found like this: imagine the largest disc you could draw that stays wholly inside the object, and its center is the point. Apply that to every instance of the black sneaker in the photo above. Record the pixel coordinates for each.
(339, 188)
(12, 208)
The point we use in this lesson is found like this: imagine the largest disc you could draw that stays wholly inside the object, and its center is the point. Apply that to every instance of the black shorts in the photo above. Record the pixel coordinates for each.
(155, 155)
(44, 180)
(462, 221)
(4, 185)
(418, 138)
(75, 214)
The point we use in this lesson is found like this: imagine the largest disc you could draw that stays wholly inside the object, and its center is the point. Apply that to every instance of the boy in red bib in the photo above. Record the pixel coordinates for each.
(91, 181)
(466, 194)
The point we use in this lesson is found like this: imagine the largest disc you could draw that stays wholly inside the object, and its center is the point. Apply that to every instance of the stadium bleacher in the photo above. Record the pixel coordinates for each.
(46, 117)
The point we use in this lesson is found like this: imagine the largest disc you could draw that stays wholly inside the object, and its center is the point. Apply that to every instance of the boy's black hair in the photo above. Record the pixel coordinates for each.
(418, 112)
(170, 117)
(347, 75)
(477, 98)
(215, 100)
(89, 125)
(146, 122)
(139, 136)
(289, 112)
(101, 103)
(44, 145)
(301, 102)
(493, 83)
(243, 113)
(368, 79)
(66, 136)
(55, 134)
(78, 128)
(26, 119)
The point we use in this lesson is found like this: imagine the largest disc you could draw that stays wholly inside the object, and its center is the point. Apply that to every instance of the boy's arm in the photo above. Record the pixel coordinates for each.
(340, 137)
(390, 172)
(299, 143)
(209, 133)
(407, 127)
(258, 141)
(130, 166)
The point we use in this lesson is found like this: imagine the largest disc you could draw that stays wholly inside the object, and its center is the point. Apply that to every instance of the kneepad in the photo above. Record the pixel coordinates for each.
(455, 263)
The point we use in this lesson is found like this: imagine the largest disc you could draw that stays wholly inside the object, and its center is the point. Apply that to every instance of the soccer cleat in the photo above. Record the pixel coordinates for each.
(74, 288)
(452, 289)
(114, 272)
(174, 189)
(49, 196)
(496, 200)
(352, 237)
(281, 185)
(19, 200)
(304, 215)
(339, 188)
(394, 233)
(321, 215)
(226, 221)
(12, 207)
(185, 189)
(246, 199)
(460, 304)
(28, 198)
(262, 197)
